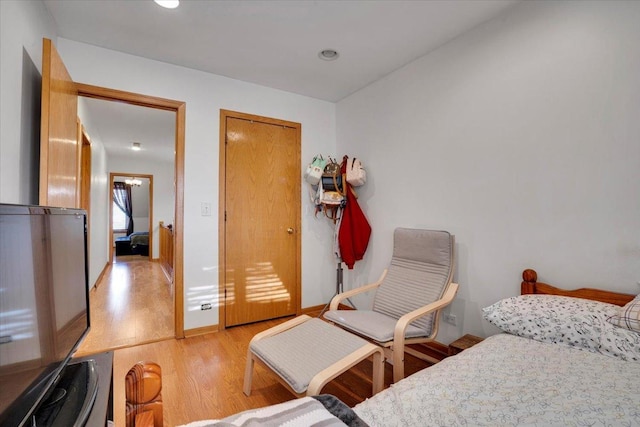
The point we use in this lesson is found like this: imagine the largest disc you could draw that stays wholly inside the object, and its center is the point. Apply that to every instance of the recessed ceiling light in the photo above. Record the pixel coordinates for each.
(169, 4)
(135, 146)
(328, 54)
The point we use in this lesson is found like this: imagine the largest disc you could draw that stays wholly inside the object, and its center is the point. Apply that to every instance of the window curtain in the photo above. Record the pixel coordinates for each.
(122, 199)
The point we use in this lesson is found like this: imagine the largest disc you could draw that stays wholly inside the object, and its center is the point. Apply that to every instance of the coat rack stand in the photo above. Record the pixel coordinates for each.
(339, 287)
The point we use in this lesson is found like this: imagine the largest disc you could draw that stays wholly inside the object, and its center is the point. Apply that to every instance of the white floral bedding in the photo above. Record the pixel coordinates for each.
(507, 381)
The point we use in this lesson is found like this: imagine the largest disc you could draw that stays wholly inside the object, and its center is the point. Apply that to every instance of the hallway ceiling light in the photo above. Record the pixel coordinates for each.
(328, 54)
(135, 146)
(134, 182)
(168, 4)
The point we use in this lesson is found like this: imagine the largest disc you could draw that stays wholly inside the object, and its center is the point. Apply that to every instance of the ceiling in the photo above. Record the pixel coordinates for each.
(272, 43)
(118, 125)
(276, 43)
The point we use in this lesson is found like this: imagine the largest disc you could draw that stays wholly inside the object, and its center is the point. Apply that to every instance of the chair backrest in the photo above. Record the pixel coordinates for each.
(420, 270)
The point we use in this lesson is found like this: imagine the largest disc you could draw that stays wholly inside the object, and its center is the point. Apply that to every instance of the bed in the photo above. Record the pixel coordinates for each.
(134, 244)
(564, 358)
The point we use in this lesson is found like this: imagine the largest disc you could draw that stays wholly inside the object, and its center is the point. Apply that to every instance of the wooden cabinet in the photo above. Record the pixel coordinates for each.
(463, 343)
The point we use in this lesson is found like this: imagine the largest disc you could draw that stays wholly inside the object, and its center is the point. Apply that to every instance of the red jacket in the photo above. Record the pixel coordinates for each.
(354, 233)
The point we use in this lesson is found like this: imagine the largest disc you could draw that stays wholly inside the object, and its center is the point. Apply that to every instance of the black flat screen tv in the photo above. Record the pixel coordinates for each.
(44, 303)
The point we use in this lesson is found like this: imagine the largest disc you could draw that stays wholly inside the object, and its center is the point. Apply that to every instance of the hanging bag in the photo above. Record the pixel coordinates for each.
(356, 175)
(314, 170)
(332, 177)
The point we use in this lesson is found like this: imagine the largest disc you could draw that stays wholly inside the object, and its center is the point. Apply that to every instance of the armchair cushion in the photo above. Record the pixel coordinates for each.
(420, 270)
(371, 324)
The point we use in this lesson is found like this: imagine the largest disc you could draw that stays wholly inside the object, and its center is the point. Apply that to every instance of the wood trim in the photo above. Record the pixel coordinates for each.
(97, 92)
(188, 333)
(224, 114)
(530, 285)
(101, 275)
(316, 309)
(178, 228)
(79, 181)
(85, 179)
(222, 207)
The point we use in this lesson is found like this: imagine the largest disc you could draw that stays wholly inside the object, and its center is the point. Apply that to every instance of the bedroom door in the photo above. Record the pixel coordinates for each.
(60, 149)
(260, 218)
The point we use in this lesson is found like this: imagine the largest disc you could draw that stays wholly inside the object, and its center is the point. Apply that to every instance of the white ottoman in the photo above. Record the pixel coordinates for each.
(306, 353)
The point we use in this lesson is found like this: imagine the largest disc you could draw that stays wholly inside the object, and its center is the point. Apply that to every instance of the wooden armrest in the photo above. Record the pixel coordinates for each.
(335, 302)
(408, 318)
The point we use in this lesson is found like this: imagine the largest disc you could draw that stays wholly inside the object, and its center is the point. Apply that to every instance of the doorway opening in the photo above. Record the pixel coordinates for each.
(177, 107)
(138, 244)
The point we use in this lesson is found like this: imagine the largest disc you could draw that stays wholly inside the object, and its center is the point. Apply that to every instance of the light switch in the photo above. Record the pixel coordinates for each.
(205, 208)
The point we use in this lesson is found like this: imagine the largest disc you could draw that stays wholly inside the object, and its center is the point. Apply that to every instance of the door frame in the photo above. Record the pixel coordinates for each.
(112, 177)
(222, 208)
(85, 179)
(178, 107)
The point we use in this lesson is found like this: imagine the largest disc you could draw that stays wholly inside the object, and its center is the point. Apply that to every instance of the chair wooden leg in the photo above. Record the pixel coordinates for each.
(248, 374)
(398, 363)
(378, 371)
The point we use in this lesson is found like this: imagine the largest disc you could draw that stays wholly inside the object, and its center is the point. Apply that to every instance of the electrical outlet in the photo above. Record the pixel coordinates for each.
(206, 306)
(451, 318)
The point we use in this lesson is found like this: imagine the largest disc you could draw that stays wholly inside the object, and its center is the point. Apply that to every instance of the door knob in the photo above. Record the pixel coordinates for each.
(290, 230)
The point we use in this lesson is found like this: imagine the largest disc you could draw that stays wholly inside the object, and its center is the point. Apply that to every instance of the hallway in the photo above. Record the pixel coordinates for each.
(131, 305)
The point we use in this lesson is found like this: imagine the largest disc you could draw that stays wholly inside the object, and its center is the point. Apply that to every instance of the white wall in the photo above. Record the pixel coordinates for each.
(521, 137)
(23, 24)
(205, 94)
(141, 207)
(99, 212)
(163, 194)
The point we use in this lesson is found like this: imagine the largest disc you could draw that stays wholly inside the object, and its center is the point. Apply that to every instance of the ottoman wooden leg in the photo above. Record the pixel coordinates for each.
(248, 371)
(248, 374)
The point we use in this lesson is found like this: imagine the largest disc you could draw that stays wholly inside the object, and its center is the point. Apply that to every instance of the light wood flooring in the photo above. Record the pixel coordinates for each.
(202, 376)
(131, 305)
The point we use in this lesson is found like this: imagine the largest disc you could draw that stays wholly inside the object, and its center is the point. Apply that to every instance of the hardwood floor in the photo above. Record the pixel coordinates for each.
(131, 312)
(131, 305)
(202, 376)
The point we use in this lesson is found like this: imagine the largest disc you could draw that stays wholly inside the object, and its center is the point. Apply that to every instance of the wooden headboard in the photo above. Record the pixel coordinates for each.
(530, 285)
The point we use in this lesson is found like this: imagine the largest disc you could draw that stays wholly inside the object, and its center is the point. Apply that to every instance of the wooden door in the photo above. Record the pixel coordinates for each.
(262, 227)
(59, 146)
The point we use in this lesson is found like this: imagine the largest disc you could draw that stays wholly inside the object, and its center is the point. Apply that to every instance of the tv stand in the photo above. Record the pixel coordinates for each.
(83, 395)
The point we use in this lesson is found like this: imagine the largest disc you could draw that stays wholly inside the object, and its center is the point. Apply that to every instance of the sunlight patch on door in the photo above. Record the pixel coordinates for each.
(263, 284)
